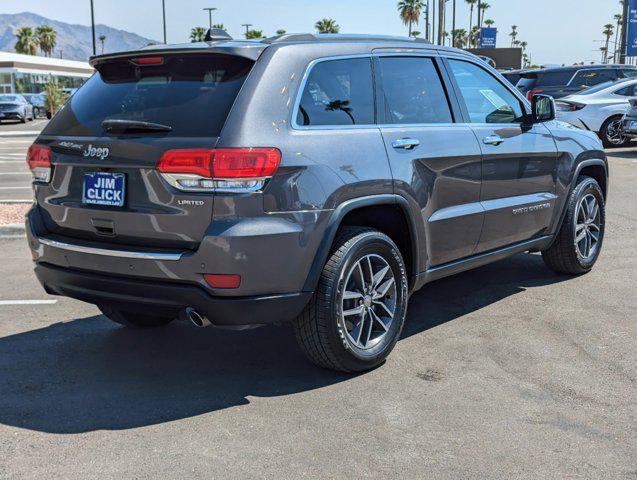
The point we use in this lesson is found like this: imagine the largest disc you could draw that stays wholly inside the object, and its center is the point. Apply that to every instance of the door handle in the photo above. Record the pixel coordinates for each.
(405, 143)
(493, 140)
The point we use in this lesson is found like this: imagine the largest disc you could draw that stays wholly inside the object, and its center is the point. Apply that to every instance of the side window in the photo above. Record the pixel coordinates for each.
(338, 92)
(629, 72)
(628, 91)
(487, 100)
(588, 78)
(413, 91)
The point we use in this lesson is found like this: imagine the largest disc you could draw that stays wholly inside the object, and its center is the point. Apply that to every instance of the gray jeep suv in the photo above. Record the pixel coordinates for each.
(315, 178)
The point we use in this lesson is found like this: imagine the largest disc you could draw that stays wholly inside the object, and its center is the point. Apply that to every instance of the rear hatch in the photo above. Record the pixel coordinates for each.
(106, 143)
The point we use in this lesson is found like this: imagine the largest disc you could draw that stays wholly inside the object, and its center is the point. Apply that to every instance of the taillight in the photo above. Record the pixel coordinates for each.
(224, 169)
(39, 161)
(563, 106)
(532, 92)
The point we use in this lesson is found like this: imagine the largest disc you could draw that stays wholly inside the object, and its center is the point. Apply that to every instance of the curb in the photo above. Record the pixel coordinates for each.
(12, 230)
(26, 133)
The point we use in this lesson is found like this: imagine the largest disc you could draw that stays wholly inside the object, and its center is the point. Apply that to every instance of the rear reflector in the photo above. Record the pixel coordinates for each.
(222, 280)
(39, 162)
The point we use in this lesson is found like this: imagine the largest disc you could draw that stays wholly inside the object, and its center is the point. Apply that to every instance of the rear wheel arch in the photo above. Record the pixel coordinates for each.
(387, 213)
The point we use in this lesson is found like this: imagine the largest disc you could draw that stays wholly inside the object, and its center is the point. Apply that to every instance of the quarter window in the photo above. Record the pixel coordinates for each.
(588, 78)
(338, 92)
(413, 92)
(487, 100)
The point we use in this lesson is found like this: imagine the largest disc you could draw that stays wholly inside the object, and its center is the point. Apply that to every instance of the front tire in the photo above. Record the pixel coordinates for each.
(357, 313)
(134, 319)
(579, 241)
(611, 133)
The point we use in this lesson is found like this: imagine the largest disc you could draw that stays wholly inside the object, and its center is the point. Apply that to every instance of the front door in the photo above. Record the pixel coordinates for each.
(435, 162)
(519, 160)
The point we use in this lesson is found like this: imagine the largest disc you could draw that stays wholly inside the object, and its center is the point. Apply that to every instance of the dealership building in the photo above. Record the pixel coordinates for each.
(29, 73)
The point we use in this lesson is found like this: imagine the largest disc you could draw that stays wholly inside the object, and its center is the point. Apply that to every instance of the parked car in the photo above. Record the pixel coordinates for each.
(15, 107)
(37, 101)
(318, 179)
(513, 75)
(600, 109)
(629, 121)
(563, 81)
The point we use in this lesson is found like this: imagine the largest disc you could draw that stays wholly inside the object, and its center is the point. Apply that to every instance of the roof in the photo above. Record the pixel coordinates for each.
(35, 62)
(572, 68)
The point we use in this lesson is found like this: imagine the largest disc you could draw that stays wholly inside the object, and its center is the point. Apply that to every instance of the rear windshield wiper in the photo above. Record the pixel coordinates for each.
(133, 126)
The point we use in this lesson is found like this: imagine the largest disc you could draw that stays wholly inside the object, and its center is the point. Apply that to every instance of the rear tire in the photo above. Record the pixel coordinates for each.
(579, 241)
(611, 133)
(344, 327)
(134, 319)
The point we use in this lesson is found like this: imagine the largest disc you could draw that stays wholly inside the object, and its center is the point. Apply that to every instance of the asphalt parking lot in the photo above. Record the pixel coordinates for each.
(508, 371)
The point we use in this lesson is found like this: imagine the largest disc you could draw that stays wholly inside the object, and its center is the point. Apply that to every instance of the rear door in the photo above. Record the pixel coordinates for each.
(435, 161)
(518, 160)
(105, 185)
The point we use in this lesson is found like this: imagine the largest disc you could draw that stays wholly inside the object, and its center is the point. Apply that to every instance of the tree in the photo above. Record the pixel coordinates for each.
(604, 51)
(47, 38)
(513, 34)
(460, 35)
(409, 11)
(474, 36)
(220, 26)
(482, 6)
(254, 34)
(54, 97)
(101, 39)
(197, 34)
(280, 31)
(327, 25)
(27, 41)
(471, 4)
(489, 23)
(415, 33)
(609, 29)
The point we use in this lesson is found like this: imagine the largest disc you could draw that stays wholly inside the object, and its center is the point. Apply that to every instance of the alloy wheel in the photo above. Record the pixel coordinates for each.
(369, 301)
(614, 133)
(587, 227)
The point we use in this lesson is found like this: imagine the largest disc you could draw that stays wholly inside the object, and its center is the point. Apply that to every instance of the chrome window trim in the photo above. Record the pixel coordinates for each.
(109, 252)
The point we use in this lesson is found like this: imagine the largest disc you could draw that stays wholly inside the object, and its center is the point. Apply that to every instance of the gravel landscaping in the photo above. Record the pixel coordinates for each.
(13, 213)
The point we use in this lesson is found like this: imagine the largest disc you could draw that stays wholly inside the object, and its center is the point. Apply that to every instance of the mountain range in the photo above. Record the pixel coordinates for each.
(73, 41)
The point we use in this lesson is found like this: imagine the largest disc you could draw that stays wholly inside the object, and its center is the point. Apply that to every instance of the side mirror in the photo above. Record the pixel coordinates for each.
(543, 108)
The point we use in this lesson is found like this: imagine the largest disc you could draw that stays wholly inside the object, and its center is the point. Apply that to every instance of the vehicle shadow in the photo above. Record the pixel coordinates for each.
(89, 374)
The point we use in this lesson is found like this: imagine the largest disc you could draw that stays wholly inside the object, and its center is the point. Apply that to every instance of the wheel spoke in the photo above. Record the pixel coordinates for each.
(369, 329)
(379, 276)
(358, 329)
(593, 214)
(381, 304)
(384, 288)
(349, 295)
(379, 320)
(359, 278)
(352, 311)
(581, 236)
(371, 271)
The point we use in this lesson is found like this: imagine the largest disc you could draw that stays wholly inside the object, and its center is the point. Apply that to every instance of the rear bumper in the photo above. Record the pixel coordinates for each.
(169, 297)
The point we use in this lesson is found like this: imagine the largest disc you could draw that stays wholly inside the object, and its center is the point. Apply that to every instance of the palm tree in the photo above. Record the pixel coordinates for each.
(474, 36)
(604, 51)
(482, 6)
(523, 45)
(27, 41)
(343, 106)
(618, 18)
(220, 26)
(489, 23)
(101, 39)
(47, 38)
(409, 11)
(280, 31)
(460, 35)
(254, 34)
(197, 34)
(513, 34)
(327, 25)
(609, 29)
(471, 3)
(415, 33)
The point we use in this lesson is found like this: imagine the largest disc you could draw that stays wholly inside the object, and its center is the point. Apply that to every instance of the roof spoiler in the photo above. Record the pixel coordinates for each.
(216, 34)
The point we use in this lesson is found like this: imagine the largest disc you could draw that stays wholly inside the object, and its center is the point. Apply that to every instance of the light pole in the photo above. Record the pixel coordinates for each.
(622, 53)
(427, 20)
(210, 10)
(247, 25)
(453, 25)
(93, 27)
(163, 10)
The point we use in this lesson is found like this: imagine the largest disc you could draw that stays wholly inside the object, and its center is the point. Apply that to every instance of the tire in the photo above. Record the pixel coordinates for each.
(608, 138)
(355, 342)
(565, 255)
(36, 112)
(134, 319)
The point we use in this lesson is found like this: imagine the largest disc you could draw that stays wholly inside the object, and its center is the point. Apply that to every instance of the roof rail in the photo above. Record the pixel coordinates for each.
(216, 34)
(311, 37)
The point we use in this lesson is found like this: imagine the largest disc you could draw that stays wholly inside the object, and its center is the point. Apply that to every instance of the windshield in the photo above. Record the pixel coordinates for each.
(8, 98)
(191, 94)
(545, 79)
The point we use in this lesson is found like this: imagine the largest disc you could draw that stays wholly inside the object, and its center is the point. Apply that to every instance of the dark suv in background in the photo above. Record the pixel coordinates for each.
(563, 81)
(316, 178)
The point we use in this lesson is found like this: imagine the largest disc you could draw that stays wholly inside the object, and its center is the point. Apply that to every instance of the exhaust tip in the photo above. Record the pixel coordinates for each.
(197, 319)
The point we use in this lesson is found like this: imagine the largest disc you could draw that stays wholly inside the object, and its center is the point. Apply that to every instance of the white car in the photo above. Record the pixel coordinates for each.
(600, 109)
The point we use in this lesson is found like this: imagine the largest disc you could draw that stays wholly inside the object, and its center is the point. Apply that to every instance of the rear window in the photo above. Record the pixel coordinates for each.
(545, 79)
(192, 94)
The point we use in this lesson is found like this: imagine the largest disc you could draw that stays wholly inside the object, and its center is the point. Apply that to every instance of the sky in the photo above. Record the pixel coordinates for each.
(557, 31)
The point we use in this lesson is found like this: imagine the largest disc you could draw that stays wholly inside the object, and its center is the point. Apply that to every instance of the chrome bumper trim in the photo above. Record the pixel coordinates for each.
(110, 252)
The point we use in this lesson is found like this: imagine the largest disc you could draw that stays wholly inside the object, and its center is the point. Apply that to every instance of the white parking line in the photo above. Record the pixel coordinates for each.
(16, 188)
(12, 161)
(27, 302)
(15, 173)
